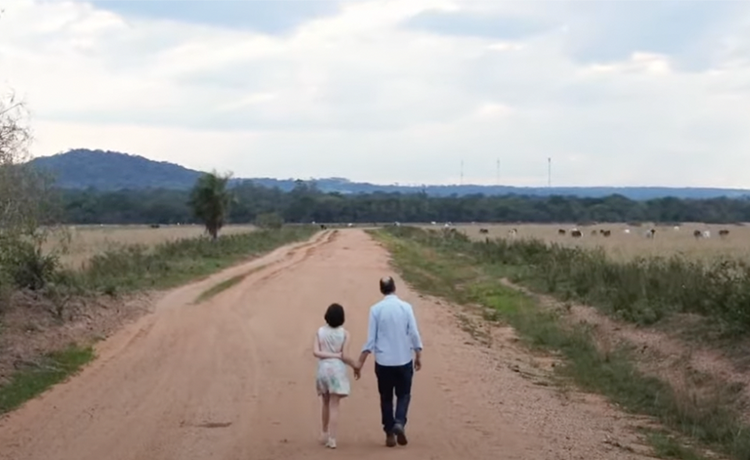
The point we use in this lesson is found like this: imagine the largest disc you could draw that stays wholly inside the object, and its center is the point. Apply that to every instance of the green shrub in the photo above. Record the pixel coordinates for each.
(25, 265)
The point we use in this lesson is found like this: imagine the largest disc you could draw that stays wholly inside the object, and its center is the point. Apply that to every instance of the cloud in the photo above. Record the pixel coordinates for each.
(393, 91)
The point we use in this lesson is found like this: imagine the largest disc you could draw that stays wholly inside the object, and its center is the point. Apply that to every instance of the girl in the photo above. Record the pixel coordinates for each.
(332, 382)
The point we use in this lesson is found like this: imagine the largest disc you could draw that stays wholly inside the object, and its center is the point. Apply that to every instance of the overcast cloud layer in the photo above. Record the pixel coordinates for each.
(616, 92)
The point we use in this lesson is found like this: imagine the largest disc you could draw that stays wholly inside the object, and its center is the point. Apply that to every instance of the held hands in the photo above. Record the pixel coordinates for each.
(357, 368)
(355, 365)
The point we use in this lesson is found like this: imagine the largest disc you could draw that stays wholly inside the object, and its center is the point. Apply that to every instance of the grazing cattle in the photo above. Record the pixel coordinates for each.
(155, 225)
(323, 227)
(483, 230)
(606, 233)
(698, 234)
(626, 231)
(650, 233)
(433, 223)
(512, 233)
(561, 231)
(350, 225)
(723, 232)
(575, 233)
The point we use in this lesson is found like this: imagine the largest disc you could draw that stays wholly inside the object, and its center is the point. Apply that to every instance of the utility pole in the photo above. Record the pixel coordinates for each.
(549, 172)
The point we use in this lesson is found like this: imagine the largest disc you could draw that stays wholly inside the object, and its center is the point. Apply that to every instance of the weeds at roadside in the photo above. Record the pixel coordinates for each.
(643, 290)
(667, 447)
(36, 378)
(173, 263)
(430, 262)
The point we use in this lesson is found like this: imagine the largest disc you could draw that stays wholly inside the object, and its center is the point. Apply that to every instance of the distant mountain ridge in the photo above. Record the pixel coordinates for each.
(107, 171)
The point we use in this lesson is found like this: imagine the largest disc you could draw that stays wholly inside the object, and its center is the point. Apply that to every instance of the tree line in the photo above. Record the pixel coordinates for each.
(305, 203)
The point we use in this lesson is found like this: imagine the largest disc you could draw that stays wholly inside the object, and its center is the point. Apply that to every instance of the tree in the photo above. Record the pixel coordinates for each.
(210, 201)
(27, 206)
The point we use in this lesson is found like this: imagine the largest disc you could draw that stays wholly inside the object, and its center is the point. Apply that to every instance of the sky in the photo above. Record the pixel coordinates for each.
(617, 93)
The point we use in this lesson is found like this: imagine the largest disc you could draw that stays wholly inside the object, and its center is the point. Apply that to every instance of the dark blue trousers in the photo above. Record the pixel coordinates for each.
(394, 380)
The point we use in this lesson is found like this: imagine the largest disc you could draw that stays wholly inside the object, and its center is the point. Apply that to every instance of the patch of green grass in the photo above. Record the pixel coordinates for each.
(440, 268)
(32, 381)
(226, 284)
(220, 287)
(666, 446)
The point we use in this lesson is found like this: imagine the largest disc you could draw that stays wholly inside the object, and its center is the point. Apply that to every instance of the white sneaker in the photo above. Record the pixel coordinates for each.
(324, 438)
(331, 444)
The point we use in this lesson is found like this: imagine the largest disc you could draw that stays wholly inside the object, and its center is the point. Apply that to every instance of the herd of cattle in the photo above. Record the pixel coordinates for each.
(650, 233)
(577, 233)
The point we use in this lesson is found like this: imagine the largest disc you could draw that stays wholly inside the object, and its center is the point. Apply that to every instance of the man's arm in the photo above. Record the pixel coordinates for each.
(416, 340)
(372, 335)
(413, 329)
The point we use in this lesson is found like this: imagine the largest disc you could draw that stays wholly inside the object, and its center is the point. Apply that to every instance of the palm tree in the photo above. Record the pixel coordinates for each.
(210, 201)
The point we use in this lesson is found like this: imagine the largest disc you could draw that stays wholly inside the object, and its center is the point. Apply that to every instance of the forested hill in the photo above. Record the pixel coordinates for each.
(109, 171)
(104, 170)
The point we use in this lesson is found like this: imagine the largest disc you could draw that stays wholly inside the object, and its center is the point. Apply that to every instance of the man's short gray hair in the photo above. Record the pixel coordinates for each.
(387, 285)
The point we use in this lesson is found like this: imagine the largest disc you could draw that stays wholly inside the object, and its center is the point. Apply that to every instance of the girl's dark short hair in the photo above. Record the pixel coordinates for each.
(334, 315)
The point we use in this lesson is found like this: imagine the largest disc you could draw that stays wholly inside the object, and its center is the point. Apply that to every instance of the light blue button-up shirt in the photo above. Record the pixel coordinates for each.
(392, 332)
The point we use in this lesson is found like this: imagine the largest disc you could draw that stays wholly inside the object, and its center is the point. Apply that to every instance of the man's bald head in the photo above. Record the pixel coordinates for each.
(387, 285)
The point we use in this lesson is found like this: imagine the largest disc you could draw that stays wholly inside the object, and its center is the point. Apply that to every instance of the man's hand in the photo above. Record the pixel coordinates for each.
(418, 363)
(357, 373)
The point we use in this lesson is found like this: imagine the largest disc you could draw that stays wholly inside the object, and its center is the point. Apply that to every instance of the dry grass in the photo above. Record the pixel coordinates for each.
(623, 246)
(87, 241)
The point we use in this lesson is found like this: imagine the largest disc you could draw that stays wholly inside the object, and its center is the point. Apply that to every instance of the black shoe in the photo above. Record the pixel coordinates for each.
(390, 440)
(398, 430)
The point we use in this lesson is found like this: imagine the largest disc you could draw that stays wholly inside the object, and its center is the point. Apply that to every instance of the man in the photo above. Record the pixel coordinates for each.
(392, 336)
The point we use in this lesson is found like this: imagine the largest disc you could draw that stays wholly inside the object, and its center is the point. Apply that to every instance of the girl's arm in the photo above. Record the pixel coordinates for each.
(345, 354)
(320, 354)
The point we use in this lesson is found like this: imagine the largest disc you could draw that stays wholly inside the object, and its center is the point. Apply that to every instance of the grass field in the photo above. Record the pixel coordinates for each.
(87, 241)
(624, 246)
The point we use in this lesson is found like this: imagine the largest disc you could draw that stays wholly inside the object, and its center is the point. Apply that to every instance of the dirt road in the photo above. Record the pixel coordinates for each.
(233, 378)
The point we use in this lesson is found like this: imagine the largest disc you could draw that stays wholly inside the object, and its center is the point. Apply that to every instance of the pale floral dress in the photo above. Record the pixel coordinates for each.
(332, 377)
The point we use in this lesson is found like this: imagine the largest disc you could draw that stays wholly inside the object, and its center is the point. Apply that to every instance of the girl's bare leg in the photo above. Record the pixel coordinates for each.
(333, 419)
(325, 416)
